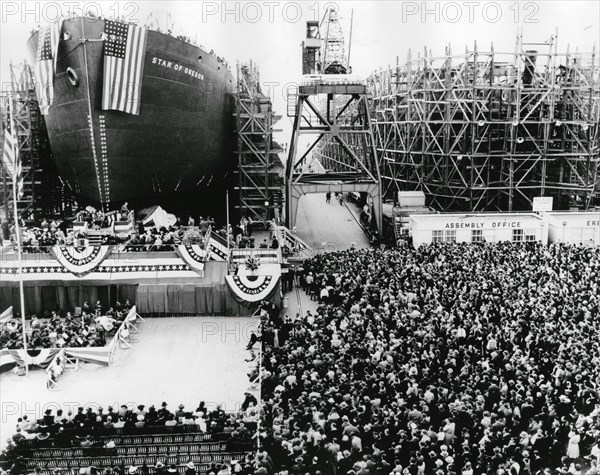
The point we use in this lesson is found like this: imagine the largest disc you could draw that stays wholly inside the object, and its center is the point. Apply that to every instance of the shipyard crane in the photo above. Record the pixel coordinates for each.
(324, 49)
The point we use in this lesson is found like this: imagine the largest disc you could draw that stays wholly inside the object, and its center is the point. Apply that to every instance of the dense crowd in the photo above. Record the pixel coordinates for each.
(448, 359)
(46, 235)
(55, 329)
(87, 428)
(164, 238)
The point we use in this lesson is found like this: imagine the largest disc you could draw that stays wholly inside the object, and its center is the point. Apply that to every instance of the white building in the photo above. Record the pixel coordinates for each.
(574, 227)
(477, 227)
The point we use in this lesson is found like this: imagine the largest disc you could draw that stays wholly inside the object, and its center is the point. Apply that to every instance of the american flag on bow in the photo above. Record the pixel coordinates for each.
(124, 52)
(45, 64)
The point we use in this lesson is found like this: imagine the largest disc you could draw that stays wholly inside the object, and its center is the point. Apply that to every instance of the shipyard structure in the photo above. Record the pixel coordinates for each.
(108, 113)
(487, 130)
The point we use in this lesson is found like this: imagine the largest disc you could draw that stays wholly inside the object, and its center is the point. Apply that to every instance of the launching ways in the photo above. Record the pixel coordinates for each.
(336, 113)
(328, 226)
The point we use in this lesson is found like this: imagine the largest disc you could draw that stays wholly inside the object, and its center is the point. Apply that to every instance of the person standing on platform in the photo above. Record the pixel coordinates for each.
(253, 340)
(340, 198)
(328, 197)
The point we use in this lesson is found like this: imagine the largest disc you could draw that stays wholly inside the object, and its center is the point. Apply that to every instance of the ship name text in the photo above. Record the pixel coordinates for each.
(177, 67)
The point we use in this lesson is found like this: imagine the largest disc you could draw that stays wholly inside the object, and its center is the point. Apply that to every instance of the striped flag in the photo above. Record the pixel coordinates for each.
(45, 65)
(217, 247)
(124, 52)
(10, 159)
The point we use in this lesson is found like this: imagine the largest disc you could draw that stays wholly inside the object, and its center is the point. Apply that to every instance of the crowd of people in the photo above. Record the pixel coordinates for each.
(87, 428)
(164, 238)
(448, 359)
(55, 329)
(48, 234)
(152, 237)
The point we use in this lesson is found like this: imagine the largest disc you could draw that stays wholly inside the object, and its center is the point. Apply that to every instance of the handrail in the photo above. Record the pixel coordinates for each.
(126, 247)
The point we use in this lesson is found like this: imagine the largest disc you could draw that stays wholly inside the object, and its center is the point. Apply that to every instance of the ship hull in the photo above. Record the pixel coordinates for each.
(181, 141)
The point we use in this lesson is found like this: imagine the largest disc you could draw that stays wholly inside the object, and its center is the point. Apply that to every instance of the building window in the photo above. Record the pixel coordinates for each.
(530, 235)
(517, 235)
(450, 235)
(477, 235)
(437, 236)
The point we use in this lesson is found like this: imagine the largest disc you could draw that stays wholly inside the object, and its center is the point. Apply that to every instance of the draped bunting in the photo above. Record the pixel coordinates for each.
(7, 362)
(193, 255)
(80, 261)
(98, 355)
(43, 357)
(117, 267)
(34, 357)
(252, 288)
(6, 316)
(217, 248)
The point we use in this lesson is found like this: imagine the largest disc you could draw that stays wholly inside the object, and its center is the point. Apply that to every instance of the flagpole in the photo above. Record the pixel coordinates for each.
(17, 227)
(20, 257)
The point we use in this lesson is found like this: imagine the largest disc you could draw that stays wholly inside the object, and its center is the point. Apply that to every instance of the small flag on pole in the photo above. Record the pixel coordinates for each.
(8, 153)
(124, 53)
(10, 159)
(45, 65)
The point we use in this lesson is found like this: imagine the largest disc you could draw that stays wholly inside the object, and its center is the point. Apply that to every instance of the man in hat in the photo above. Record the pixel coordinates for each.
(160, 469)
(190, 469)
(163, 412)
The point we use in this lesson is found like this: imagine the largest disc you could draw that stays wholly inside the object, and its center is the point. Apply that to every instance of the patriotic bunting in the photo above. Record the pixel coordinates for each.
(193, 255)
(217, 248)
(6, 316)
(80, 261)
(43, 357)
(33, 357)
(87, 265)
(247, 288)
(97, 355)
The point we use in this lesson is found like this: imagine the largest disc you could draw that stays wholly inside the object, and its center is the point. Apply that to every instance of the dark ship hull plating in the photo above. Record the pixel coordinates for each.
(180, 143)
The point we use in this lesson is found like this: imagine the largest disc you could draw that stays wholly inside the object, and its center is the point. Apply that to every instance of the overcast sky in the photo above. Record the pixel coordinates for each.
(270, 32)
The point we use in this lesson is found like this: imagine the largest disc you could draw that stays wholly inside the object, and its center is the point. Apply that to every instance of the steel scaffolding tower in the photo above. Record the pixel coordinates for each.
(342, 122)
(43, 195)
(260, 171)
(488, 130)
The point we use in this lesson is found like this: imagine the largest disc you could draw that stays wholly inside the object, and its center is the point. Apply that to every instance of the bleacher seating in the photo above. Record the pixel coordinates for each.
(170, 445)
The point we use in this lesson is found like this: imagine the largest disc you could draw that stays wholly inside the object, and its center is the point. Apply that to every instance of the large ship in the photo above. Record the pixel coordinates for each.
(180, 143)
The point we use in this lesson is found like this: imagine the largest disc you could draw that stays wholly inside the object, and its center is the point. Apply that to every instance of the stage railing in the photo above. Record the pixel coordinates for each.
(123, 335)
